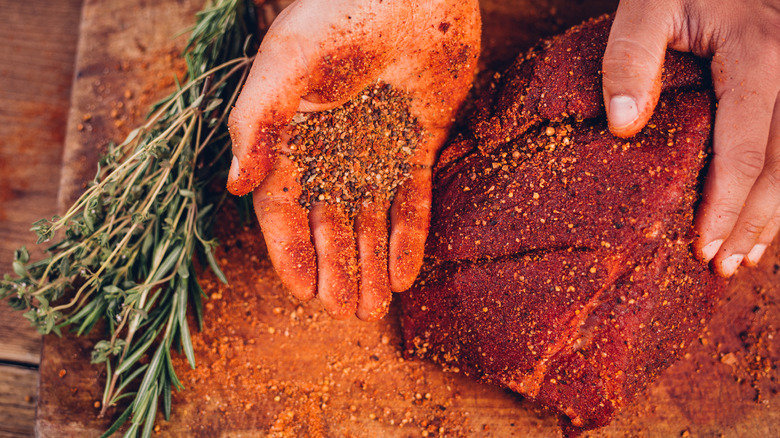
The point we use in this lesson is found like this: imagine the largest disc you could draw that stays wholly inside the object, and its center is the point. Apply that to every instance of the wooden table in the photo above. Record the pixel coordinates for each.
(37, 57)
(269, 365)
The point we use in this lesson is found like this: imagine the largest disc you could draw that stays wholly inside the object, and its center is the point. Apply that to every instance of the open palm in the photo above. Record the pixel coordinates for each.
(316, 56)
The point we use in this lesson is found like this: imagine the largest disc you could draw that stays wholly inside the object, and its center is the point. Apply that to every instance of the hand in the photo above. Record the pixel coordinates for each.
(740, 210)
(317, 55)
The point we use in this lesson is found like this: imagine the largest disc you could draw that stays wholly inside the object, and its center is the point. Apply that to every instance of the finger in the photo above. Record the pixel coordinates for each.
(764, 240)
(760, 207)
(267, 102)
(371, 226)
(411, 211)
(334, 242)
(410, 217)
(742, 124)
(285, 226)
(770, 181)
(633, 63)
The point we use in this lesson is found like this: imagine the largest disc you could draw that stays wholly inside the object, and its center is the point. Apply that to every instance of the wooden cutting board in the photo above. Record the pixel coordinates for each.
(268, 365)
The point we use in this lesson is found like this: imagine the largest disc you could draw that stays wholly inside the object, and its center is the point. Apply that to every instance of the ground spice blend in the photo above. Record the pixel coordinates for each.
(358, 152)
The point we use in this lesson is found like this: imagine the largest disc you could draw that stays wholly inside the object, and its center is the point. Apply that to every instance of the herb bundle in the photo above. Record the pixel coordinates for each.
(124, 252)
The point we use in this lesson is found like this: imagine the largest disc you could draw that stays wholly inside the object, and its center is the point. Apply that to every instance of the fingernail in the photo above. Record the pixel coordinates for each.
(710, 249)
(622, 111)
(730, 265)
(234, 170)
(755, 254)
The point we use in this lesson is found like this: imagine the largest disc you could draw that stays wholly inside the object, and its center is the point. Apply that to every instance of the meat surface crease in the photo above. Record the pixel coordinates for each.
(559, 261)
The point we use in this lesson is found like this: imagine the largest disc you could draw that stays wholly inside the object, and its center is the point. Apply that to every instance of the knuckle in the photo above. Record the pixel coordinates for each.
(745, 164)
(767, 61)
(725, 210)
(264, 202)
(772, 174)
(770, 26)
(751, 227)
(761, 38)
(237, 116)
(771, 229)
(275, 209)
(625, 57)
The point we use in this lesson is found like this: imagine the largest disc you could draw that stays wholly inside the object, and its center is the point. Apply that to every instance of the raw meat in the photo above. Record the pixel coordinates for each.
(559, 256)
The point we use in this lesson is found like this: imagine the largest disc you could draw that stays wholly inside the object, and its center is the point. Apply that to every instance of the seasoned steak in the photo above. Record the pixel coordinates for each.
(559, 259)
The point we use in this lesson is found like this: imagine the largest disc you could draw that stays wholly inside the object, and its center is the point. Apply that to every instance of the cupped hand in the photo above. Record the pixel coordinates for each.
(739, 214)
(317, 55)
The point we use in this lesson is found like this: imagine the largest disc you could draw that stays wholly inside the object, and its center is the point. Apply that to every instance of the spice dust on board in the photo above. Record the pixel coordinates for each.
(358, 152)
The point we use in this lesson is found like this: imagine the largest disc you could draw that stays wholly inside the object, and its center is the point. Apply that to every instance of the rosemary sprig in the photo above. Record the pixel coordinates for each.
(125, 256)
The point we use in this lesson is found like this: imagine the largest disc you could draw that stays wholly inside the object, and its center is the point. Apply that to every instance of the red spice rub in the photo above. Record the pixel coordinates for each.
(559, 255)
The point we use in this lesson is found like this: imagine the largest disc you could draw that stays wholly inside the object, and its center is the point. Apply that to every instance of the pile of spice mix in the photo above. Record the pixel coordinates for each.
(358, 152)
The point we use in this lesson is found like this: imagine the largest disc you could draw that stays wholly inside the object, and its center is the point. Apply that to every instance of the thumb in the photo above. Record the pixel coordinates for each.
(315, 56)
(266, 104)
(633, 64)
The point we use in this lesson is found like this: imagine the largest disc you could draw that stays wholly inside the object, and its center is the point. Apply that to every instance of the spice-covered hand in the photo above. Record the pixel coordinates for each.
(740, 211)
(317, 55)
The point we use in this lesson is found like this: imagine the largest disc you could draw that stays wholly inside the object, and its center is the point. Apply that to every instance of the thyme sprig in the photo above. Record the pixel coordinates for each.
(124, 252)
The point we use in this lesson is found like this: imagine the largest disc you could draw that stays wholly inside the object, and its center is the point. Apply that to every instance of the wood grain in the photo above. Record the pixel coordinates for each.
(37, 46)
(37, 49)
(18, 388)
(268, 365)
